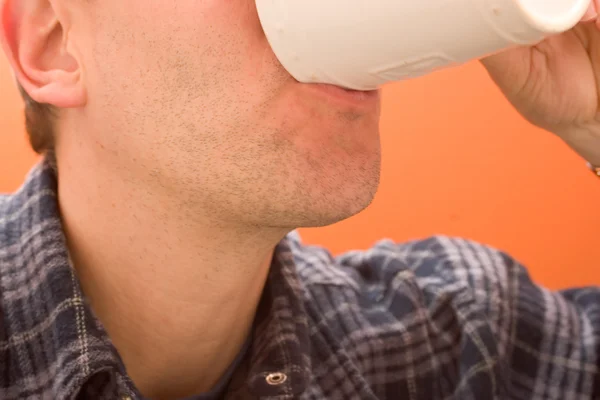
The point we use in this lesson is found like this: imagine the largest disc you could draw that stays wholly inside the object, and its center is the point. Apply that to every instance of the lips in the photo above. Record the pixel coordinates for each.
(350, 97)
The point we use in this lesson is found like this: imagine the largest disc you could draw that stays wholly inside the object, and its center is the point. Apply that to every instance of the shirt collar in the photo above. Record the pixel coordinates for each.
(79, 345)
(281, 344)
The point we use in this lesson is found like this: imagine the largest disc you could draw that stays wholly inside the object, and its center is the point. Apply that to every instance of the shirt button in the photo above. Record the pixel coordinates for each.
(276, 378)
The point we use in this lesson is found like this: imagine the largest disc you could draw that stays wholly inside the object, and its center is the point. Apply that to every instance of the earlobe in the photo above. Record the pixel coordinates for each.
(33, 39)
(64, 91)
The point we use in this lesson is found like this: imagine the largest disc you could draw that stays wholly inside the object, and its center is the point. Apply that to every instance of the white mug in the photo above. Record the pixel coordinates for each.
(363, 44)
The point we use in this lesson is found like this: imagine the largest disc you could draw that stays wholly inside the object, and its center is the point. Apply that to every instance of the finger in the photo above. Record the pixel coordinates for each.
(592, 12)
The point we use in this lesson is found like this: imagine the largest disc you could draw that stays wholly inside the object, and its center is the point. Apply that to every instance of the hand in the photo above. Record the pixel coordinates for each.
(556, 83)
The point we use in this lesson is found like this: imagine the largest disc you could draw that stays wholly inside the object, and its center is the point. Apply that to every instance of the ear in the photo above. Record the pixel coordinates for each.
(35, 42)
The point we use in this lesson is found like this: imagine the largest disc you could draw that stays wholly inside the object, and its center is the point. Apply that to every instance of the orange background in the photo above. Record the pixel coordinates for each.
(457, 160)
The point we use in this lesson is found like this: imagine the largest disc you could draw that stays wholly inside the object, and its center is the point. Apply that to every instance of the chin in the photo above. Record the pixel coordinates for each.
(339, 178)
(333, 216)
(333, 205)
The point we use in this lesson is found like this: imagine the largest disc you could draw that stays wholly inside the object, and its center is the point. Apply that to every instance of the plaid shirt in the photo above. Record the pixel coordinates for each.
(439, 318)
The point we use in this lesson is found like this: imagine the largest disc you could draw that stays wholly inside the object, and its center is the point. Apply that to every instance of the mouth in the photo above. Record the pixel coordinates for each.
(349, 97)
(334, 93)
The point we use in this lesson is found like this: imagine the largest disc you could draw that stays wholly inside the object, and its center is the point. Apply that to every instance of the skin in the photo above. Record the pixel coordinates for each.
(186, 152)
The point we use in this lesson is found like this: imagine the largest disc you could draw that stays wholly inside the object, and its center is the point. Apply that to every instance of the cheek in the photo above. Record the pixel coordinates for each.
(245, 49)
(230, 29)
(320, 130)
(210, 33)
(191, 50)
(224, 48)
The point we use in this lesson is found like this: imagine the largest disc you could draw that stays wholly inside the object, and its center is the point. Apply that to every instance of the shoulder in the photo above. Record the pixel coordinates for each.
(35, 292)
(418, 308)
(29, 228)
(27, 221)
(427, 288)
(434, 265)
(403, 317)
(23, 214)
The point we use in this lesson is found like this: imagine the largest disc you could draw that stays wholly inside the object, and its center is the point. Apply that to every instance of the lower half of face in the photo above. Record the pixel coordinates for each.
(199, 101)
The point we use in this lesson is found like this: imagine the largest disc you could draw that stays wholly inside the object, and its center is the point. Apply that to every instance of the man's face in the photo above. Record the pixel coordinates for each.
(188, 97)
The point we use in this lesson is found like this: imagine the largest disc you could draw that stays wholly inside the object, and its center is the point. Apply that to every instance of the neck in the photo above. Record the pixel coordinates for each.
(177, 295)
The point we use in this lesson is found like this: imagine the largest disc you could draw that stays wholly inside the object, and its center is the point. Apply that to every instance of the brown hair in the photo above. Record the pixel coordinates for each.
(39, 123)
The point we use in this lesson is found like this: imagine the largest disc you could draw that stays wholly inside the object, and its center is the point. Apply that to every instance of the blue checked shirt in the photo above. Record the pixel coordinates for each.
(439, 318)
